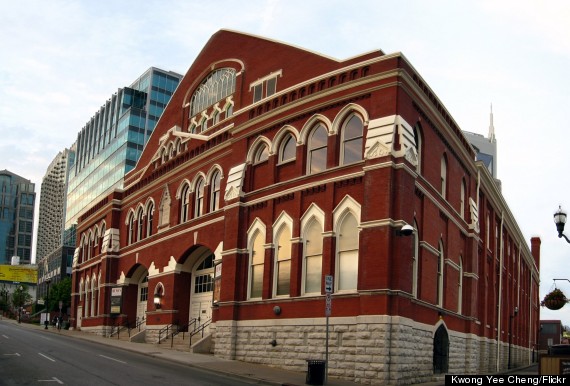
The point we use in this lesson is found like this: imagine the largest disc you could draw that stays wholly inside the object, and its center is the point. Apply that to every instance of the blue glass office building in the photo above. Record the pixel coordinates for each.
(17, 196)
(110, 143)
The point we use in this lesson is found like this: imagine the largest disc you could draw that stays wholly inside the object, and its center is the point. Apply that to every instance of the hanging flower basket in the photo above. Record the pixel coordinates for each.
(554, 300)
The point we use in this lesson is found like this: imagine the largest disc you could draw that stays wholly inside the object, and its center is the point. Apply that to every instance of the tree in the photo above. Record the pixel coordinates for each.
(60, 291)
(21, 296)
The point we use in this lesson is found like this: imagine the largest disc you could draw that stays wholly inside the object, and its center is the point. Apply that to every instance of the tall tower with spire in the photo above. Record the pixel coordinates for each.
(486, 147)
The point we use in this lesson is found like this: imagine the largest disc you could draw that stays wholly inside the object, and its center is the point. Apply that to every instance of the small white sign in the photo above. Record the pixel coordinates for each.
(328, 284)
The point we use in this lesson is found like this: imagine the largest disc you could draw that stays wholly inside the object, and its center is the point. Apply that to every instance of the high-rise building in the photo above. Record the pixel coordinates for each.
(50, 250)
(486, 147)
(110, 143)
(52, 205)
(16, 217)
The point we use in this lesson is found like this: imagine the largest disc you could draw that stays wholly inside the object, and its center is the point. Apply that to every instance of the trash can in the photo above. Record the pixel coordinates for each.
(316, 369)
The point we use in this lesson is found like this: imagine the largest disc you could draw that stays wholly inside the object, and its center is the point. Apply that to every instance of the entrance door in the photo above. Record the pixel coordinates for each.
(202, 291)
(79, 316)
(143, 299)
(441, 351)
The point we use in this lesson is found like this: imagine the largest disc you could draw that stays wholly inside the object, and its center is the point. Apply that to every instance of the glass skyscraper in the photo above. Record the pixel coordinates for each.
(17, 196)
(111, 142)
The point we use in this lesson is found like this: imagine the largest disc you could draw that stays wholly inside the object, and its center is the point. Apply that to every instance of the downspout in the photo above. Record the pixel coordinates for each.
(500, 303)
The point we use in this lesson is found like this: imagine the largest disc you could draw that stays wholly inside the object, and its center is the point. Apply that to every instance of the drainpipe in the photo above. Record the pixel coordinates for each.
(500, 305)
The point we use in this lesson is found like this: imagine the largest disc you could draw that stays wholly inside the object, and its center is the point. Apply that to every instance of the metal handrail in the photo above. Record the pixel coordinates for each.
(140, 323)
(200, 329)
(165, 329)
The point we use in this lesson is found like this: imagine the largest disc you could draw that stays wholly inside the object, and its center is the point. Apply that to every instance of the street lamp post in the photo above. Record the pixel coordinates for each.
(560, 221)
(48, 281)
(20, 304)
(511, 317)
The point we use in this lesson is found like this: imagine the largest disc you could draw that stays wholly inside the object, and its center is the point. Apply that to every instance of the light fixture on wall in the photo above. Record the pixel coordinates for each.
(158, 293)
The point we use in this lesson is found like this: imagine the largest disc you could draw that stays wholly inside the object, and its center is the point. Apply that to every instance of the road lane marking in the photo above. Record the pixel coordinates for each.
(13, 354)
(53, 360)
(5, 336)
(113, 359)
(54, 379)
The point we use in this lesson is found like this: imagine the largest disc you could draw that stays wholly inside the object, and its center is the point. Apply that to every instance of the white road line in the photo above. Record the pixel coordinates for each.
(5, 336)
(53, 360)
(113, 359)
(54, 379)
(16, 354)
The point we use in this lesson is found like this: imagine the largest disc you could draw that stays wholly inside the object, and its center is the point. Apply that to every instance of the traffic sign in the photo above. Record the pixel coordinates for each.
(328, 284)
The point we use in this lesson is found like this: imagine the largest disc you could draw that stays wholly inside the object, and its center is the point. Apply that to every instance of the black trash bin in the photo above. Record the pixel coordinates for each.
(316, 369)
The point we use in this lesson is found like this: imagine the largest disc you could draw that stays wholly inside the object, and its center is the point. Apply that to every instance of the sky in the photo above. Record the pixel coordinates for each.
(62, 59)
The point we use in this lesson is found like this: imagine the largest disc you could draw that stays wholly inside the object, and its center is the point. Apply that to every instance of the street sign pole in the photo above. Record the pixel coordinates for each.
(328, 304)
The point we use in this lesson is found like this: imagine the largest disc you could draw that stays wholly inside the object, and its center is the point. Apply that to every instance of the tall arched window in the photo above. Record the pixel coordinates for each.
(261, 154)
(317, 157)
(313, 258)
(256, 260)
(288, 149)
(352, 140)
(443, 177)
(199, 198)
(184, 204)
(347, 257)
(215, 183)
(415, 261)
(462, 200)
(440, 268)
(131, 228)
(140, 224)
(460, 287)
(283, 262)
(149, 219)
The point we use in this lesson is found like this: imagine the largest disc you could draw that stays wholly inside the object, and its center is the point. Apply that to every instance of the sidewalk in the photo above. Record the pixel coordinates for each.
(264, 375)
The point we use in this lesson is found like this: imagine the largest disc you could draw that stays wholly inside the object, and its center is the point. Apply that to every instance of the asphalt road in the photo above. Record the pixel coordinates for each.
(30, 357)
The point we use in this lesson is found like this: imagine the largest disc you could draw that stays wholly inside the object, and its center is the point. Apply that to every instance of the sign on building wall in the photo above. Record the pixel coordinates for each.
(116, 299)
(15, 273)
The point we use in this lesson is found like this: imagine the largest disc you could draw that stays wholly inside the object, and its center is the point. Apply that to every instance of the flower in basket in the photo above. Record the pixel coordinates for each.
(554, 300)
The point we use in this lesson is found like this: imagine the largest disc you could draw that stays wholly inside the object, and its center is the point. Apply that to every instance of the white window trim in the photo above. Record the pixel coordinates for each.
(347, 204)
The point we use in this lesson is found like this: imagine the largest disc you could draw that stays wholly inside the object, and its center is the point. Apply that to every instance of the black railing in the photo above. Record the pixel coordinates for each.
(166, 331)
(120, 326)
(199, 330)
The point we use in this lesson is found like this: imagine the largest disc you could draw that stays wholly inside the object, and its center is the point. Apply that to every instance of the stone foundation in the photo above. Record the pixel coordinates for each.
(371, 350)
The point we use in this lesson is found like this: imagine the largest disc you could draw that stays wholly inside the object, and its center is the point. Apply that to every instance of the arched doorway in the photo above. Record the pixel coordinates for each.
(441, 351)
(140, 277)
(201, 290)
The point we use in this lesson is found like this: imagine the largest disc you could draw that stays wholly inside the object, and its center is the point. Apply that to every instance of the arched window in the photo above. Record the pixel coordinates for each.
(283, 262)
(347, 256)
(313, 258)
(317, 157)
(415, 261)
(131, 228)
(462, 200)
(440, 267)
(460, 287)
(218, 85)
(93, 295)
(261, 154)
(352, 140)
(443, 177)
(140, 224)
(199, 198)
(256, 260)
(184, 203)
(288, 149)
(149, 219)
(215, 191)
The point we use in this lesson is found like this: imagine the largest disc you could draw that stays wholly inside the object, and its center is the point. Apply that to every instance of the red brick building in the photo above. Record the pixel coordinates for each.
(273, 167)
